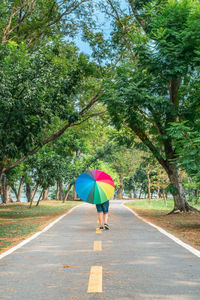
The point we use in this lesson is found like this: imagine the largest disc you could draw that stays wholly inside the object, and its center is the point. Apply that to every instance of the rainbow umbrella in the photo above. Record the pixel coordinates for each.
(94, 186)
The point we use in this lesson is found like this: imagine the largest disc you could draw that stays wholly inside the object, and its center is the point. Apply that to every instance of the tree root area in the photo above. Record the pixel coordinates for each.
(187, 209)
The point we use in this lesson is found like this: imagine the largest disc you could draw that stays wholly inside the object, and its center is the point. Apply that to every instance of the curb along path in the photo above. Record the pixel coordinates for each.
(169, 235)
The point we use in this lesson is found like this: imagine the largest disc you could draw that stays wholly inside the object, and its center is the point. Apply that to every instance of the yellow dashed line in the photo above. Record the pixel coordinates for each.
(97, 246)
(95, 280)
(98, 230)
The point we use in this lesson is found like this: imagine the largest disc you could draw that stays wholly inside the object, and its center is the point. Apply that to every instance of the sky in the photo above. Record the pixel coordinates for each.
(83, 46)
(104, 25)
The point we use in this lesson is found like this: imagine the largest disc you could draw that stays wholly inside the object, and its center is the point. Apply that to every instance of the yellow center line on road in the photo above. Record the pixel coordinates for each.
(97, 246)
(98, 230)
(95, 280)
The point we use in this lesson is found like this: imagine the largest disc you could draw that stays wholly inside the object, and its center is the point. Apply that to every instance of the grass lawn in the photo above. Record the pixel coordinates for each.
(18, 221)
(185, 226)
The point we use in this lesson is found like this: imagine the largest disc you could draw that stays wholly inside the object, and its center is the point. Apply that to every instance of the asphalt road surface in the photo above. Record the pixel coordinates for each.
(72, 261)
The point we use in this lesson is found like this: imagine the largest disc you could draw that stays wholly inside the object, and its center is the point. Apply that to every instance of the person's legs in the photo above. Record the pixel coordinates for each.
(105, 214)
(102, 210)
(100, 215)
(100, 219)
(105, 218)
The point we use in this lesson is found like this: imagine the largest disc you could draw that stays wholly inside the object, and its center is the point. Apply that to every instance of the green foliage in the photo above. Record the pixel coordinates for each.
(150, 87)
(155, 204)
(172, 189)
(38, 91)
(38, 22)
(66, 158)
(171, 29)
(187, 140)
(156, 84)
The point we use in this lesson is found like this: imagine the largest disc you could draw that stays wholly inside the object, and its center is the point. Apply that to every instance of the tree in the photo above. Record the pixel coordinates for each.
(152, 85)
(124, 161)
(46, 86)
(160, 182)
(187, 140)
(47, 93)
(15, 179)
(35, 22)
(63, 160)
(129, 186)
(47, 168)
(140, 180)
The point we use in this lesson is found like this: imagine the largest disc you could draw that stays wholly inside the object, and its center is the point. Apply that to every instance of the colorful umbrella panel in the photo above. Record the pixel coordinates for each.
(94, 186)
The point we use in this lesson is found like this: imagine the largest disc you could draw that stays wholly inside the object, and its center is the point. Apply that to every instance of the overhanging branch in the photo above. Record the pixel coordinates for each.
(146, 141)
(53, 136)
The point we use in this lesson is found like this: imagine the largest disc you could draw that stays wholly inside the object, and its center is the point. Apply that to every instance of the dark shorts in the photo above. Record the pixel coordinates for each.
(103, 207)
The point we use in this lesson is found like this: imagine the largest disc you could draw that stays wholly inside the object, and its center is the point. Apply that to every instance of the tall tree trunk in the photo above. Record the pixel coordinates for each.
(67, 193)
(20, 191)
(14, 190)
(57, 192)
(34, 190)
(45, 194)
(3, 181)
(121, 188)
(74, 193)
(134, 195)
(9, 194)
(140, 191)
(28, 192)
(6, 194)
(5, 191)
(41, 194)
(61, 191)
(33, 195)
(180, 203)
(149, 185)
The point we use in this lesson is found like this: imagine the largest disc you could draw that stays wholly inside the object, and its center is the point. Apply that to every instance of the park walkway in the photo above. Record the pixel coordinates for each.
(137, 261)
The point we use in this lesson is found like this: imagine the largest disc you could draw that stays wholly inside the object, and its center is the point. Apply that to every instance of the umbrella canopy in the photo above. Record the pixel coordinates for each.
(94, 186)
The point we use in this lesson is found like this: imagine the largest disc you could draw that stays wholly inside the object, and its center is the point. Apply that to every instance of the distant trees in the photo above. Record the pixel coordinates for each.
(59, 163)
(146, 183)
(124, 161)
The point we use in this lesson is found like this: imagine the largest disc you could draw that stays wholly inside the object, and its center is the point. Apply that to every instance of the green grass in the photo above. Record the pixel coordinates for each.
(18, 221)
(156, 204)
(22, 210)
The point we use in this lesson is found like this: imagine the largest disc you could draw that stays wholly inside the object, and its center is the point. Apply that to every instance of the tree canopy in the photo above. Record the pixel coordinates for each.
(138, 93)
(152, 85)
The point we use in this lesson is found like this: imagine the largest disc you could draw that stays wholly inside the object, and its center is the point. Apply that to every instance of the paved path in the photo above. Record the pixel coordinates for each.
(138, 262)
